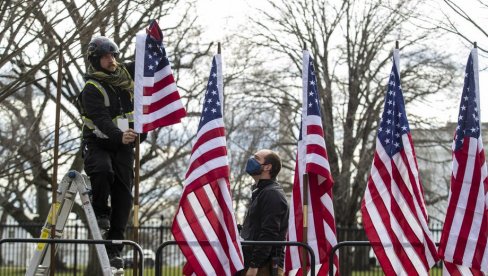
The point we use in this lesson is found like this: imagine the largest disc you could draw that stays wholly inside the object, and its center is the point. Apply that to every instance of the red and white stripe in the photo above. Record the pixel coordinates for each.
(157, 102)
(394, 213)
(450, 269)
(204, 224)
(312, 160)
(464, 237)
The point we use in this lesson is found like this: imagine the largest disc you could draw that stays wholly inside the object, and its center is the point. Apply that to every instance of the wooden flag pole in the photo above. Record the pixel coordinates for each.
(54, 183)
(136, 200)
(305, 224)
(397, 45)
(305, 216)
(475, 44)
(220, 85)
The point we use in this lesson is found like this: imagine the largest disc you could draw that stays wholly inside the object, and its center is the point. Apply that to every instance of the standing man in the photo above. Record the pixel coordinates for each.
(267, 216)
(108, 140)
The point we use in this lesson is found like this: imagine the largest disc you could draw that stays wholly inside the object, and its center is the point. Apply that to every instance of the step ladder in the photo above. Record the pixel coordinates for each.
(72, 183)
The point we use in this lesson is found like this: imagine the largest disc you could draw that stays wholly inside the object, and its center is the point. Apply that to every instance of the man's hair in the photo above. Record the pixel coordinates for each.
(275, 161)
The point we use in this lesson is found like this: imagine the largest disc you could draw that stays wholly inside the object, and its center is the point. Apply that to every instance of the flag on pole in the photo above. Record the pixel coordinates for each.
(465, 232)
(204, 224)
(312, 160)
(157, 102)
(393, 208)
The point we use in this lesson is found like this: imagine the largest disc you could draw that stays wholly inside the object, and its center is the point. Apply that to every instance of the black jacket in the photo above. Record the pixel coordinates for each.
(92, 102)
(266, 220)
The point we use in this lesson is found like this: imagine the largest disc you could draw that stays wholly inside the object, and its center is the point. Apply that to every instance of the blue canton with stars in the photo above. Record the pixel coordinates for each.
(313, 107)
(468, 119)
(211, 105)
(394, 120)
(313, 104)
(154, 56)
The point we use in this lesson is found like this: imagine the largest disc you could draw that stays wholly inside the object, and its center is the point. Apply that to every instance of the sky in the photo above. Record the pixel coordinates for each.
(220, 17)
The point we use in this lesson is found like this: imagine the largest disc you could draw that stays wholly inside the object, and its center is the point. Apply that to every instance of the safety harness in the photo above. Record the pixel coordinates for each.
(89, 123)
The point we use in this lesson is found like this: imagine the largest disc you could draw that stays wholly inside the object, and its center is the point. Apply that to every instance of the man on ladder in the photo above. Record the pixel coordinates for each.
(108, 139)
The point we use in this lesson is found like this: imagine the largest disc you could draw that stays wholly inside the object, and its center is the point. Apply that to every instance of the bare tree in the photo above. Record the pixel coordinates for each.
(31, 35)
(164, 156)
(45, 26)
(351, 43)
(450, 24)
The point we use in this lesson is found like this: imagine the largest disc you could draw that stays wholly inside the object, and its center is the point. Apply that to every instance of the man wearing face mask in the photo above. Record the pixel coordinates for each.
(267, 216)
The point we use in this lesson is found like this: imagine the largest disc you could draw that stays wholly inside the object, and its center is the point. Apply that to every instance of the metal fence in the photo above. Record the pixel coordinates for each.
(359, 260)
(73, 259)
(371, 269)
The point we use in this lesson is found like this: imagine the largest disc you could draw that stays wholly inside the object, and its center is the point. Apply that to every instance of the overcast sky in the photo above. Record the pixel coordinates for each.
(221, 17)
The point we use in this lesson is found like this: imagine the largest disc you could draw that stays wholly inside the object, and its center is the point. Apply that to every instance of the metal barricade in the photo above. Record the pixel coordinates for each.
(350, 243)
(125, 242)
(244, 243)
(343, 244)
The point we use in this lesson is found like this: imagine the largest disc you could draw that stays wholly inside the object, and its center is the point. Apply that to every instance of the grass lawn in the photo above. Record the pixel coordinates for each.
(20, 271)
(150, 271)
(16, 271)
(435, 271)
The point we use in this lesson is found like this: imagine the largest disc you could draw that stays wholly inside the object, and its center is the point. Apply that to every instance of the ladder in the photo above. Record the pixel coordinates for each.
(71, 184)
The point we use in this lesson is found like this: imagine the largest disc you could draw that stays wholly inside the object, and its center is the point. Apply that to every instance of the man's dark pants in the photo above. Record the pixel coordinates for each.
(111, 174)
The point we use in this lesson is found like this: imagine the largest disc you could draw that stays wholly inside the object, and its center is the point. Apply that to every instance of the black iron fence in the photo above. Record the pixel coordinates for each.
(163, 246)
(359, 259)
(74, 259)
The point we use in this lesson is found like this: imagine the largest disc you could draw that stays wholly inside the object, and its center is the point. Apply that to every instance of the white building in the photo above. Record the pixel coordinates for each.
(434, 157)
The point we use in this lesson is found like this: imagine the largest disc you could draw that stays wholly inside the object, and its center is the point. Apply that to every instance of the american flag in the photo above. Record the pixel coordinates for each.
(393, 208)
(157, 102)
(312, 160)
(465, 232)
(204, 224)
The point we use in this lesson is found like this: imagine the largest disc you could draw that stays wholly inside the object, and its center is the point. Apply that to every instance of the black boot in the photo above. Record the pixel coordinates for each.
(104, 225)
(114, 257)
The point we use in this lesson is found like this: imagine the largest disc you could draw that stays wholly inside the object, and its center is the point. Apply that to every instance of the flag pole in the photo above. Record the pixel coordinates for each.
(477, 80)
(220, 83)
(135, 211)
(396, 56)
(136, 200)
(54, 183)
(305, 224)
(305, 214)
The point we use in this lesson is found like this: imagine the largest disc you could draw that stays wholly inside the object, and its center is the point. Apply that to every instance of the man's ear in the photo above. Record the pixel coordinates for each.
(267, 167)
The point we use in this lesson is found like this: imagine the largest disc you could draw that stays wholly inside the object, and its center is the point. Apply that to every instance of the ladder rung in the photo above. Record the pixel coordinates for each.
(41, 270)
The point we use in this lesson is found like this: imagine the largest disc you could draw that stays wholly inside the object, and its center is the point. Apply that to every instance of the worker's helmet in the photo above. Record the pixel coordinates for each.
(100, 46)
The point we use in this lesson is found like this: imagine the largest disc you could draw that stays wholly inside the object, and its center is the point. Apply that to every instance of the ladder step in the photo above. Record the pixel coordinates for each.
(72, 184)
(41, 270)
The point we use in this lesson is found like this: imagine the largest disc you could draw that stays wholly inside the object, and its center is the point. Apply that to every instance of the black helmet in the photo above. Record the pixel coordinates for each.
(100, 46)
